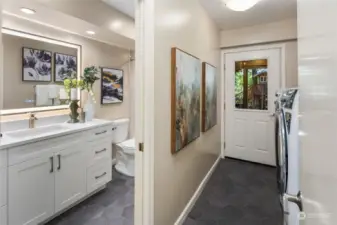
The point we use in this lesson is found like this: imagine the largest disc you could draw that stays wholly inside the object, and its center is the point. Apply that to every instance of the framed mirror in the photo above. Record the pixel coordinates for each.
(33, 72)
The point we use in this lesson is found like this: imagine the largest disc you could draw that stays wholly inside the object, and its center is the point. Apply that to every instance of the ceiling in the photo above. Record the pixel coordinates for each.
(264, 12)
(125, 6)
(96, 12)
(77, 17)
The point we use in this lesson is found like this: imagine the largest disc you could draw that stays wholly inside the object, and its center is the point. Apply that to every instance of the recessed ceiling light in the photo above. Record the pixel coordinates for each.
(28, 11)
(240, 5)
(90, 32)
(116, 24)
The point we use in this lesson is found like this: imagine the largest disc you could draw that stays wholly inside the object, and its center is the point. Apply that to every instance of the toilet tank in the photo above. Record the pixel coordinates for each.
(120, 131)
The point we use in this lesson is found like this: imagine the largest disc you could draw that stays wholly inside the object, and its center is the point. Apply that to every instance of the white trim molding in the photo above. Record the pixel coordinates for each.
(144, 120)
(181, 219)
(281, 46)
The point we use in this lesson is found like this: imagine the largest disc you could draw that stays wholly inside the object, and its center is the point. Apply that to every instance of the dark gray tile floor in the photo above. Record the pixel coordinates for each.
(238, 193)
(112, 206)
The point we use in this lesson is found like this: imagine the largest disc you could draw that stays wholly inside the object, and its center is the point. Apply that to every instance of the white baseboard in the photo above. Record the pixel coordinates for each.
(181, 219)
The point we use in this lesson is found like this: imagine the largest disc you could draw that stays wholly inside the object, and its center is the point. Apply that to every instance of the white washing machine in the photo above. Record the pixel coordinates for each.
(287, 155)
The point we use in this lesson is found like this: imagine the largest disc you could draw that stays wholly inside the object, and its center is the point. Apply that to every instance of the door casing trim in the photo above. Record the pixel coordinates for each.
(223, 53)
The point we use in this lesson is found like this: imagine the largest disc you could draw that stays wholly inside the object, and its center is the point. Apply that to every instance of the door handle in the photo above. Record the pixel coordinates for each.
(272, 115)
(297, 199)
(59, 162)
(51, 164)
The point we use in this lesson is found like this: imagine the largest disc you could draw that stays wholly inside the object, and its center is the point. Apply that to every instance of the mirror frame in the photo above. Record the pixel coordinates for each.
(9, 31)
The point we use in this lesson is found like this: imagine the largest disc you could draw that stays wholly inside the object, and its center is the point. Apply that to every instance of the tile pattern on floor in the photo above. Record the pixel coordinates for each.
(112, 206)
(238, 193)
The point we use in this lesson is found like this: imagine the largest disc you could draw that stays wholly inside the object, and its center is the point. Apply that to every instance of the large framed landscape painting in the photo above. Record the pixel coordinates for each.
(111, 86)
(209, 97)
(36, 65)
(64, 66)
(185, 99)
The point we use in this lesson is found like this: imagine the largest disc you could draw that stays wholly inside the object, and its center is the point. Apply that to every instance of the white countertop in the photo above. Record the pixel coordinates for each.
(7, 140)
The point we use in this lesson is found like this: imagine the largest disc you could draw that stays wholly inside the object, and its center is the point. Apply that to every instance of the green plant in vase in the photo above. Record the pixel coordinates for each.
(71, 86)
(89, 78)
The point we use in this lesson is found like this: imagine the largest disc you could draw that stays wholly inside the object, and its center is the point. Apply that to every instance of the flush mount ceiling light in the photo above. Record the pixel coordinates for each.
(116, 24)
(90, 32)
(240, 5)
(28, 11)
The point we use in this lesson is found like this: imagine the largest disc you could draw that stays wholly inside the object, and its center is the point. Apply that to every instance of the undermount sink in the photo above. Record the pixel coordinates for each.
(37, 131)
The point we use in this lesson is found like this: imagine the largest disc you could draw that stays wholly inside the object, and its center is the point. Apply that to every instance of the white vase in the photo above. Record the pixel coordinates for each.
(89, 108)
(73, 94)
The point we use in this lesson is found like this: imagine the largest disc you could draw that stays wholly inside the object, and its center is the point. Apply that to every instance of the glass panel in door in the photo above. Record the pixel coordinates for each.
(251, 84)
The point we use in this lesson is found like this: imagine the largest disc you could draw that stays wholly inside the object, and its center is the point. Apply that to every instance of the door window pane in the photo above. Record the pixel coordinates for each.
(251, 84)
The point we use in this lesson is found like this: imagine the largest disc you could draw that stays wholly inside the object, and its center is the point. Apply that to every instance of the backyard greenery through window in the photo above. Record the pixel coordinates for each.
(251, 84)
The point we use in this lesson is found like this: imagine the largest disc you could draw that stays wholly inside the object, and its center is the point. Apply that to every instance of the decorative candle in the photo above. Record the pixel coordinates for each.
(63, 94)
(73, 94)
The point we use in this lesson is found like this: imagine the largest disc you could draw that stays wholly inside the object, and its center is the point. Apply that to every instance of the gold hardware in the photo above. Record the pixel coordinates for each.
(141, 147)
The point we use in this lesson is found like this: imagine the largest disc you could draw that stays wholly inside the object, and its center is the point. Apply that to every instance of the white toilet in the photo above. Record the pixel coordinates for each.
(124, 148)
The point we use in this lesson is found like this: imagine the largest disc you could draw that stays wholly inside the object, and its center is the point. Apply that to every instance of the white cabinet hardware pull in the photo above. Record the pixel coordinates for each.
(103, 150)
(97, 177)
(103, 132)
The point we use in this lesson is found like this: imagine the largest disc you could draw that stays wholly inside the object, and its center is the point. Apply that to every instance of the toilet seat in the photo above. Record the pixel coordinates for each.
(128, 146)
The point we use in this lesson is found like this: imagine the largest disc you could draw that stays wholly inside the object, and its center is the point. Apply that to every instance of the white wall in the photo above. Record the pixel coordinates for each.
(183, 24)
(270, 32)
(1, 62)
(317, 51)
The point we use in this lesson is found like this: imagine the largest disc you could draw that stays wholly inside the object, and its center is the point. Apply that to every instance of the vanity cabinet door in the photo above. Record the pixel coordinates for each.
(31, 191)
(70, 177)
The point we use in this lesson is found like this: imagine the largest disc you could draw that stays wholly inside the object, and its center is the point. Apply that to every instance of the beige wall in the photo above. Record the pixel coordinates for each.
(18, 91)
(93, 53)
(182, 24)
(283, 32)
(291, 63)
(270, 32)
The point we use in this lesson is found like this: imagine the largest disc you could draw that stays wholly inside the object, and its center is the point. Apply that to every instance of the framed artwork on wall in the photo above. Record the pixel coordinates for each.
(64, 65)
(185, 99)
(36, 65)
(111, 86)
(209, 97)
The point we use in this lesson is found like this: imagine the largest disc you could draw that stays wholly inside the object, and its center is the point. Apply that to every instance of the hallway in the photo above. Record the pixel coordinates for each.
(238, 193)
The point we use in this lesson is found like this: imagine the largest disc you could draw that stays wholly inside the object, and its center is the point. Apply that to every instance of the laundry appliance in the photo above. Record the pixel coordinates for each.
(287, 151)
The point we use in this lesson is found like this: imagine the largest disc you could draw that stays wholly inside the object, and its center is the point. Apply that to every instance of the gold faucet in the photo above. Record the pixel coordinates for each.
(31, 120)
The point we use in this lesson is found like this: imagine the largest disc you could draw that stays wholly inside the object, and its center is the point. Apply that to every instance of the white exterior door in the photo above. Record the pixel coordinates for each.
(252, 79)
(70, 177)
(31, 191)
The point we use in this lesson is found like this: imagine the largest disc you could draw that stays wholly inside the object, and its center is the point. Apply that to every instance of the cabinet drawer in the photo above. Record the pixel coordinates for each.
(3, 215)
(98, 175)
(100, 150)
(3, 186)
(3, 158)
(100, 132)
(30, 151)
